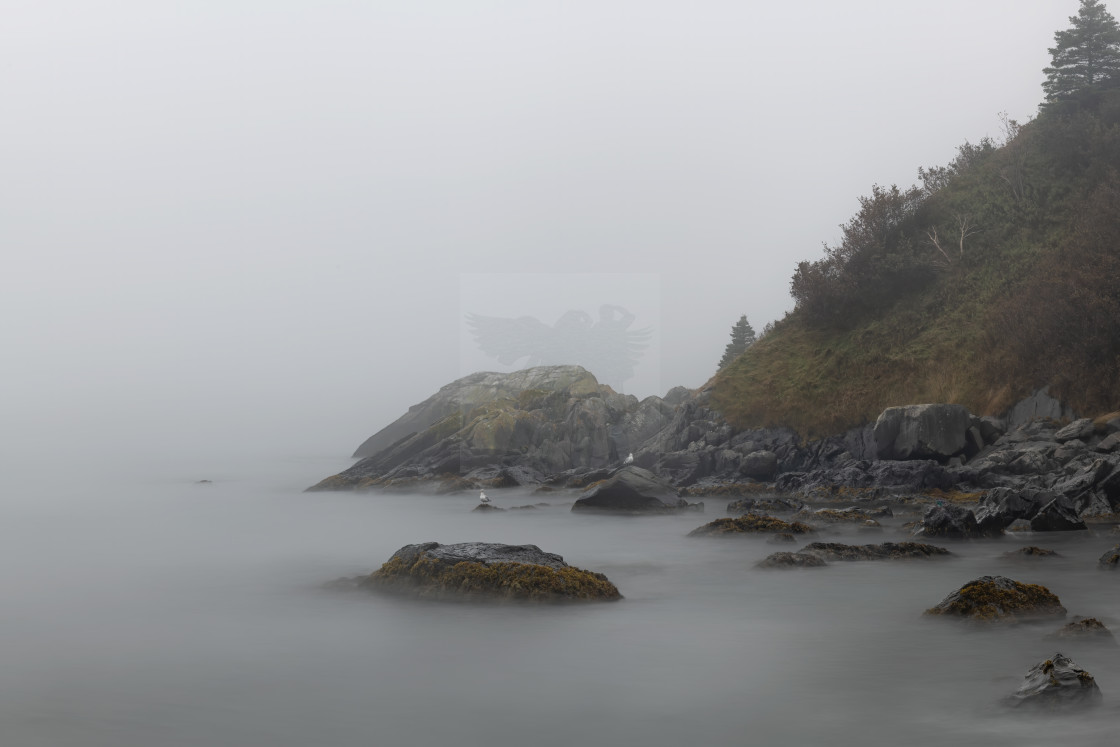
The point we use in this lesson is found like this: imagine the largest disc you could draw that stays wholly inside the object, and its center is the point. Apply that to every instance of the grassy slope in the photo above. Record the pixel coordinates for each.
(966, 337)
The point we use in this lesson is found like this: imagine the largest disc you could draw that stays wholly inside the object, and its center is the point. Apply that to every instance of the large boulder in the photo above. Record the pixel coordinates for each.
(999, 599)
(632, 490)
(484, 570)
(1056, 685)
(759, 465)
(934, 431)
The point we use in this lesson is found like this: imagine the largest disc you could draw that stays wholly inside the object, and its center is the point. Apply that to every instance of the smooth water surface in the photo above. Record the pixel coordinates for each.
(159, 612)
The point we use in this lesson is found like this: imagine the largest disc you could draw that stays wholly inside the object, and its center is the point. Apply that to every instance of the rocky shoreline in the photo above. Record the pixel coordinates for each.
(555, 428)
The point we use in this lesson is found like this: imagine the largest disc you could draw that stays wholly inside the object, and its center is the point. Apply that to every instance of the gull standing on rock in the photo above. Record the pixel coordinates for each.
(629, 459)
(482, 497)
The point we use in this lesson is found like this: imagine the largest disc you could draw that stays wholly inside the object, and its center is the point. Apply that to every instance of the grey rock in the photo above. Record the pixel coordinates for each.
(1109, 443)
(1110, 561)
(948, 521)
(1056, 516)
(1056, 685)
(1085, 629)
(631, 490)
(933, 431)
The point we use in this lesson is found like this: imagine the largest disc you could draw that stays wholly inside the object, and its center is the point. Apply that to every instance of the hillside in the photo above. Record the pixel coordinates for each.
(996, 276)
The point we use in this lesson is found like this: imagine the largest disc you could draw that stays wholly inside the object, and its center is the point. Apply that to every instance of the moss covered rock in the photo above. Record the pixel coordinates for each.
(999, 599)
(483, 570)
(750, 523)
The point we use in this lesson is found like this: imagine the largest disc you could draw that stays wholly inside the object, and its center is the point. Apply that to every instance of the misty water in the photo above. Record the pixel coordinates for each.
(145, 608)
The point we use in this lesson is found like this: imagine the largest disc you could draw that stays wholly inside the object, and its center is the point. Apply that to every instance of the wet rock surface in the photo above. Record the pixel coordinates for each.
(485, 570)
(999, 599)
(1056, 685)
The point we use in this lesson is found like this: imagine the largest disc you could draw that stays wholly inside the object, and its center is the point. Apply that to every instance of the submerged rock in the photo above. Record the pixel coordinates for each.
(1088, 629)
(1110, 560)
(484, 570)
(885, 551)
(999, 599)
(750, 523)
(837, 516)
(486, 508)
(1056, 684)
(791, 560)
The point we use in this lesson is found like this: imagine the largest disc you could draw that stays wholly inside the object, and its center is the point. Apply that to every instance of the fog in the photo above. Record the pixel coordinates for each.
(172, 613)
(250, 226)
(240, 237)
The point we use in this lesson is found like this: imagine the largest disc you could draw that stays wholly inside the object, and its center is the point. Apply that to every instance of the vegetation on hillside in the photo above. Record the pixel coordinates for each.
(997, 275)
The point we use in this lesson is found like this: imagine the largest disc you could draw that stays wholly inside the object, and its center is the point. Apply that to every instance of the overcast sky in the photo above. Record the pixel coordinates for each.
(262, 223)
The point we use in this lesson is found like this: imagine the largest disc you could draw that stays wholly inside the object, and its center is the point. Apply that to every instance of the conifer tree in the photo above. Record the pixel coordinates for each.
(742, 337)
(1085, 56)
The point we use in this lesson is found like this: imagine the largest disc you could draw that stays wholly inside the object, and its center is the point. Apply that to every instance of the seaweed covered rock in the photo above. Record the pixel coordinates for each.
(472, 570)
(999, 599)
(633, 490)
(1031, 552)
(886, 551)
(1088, 629)
(749, 523)
(791, 560)
(1056, 685)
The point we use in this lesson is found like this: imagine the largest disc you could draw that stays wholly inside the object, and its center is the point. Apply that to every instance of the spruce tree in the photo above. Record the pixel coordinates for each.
(1086, 56)
(742, 337)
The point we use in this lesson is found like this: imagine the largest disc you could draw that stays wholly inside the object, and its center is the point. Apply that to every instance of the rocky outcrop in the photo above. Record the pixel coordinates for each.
(483, 570)
(1056, 685)
(999, 599)
(633, 490)
(921, 432)
(518, 428)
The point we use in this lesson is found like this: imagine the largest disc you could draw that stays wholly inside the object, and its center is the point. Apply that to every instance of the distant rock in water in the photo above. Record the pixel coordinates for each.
(483, 570)
(1056, 685)
(633, 490)
(999, 599)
